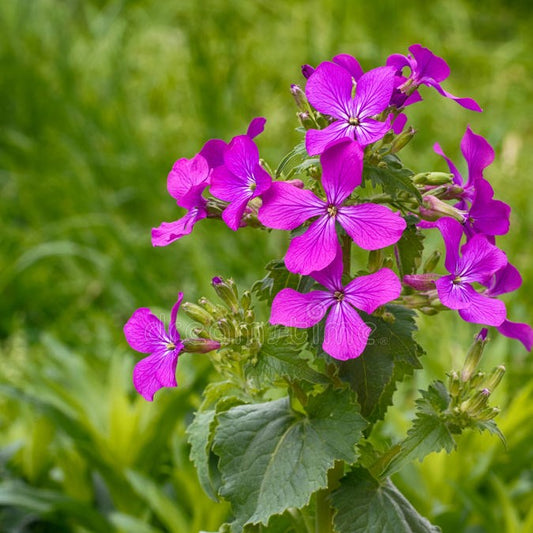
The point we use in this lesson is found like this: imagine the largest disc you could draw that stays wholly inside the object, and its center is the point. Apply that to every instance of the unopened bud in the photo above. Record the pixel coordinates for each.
(432, 209)
(305, 120)
(200, 345)
(402, 140)
(474, 355)
(307, 70)
(227, 328)
(249, 316)
(375, 260)
(197, 313)
(227, 292)
(421, 282)
(388, 262)
(454, 384)
(494, 378)
(246, 300)
(432, 261)
(297, 183)
(476, 403)
(314, 172)
(433, 178)
(429, 311)
(299, 97)
(216, 311)
(488, 414)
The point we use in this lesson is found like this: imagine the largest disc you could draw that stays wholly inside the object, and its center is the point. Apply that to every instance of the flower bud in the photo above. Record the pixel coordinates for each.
(307, 70)
(432, 209)
(433, 178)
(476, 403)
(494, 378)
(454, 383)
(305, 120)
(431, 262)
(227, 292)
(402, 140)
(246, 300)
(200, 345)
(488, 414)
(375, 260)
(197, 313)
(388, 262)
(216, 311)
(227, 328)
(249, 316)
(474, 355)
(299, 97)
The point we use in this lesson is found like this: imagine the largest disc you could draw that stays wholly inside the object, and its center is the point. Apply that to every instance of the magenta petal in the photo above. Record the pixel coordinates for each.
(317, 140)
(187, 179)
(315, 249)
(519, 331)
(148, 371)
(467, 103)
(484, 310)
(213, 152)
(169, 232)
(374, 91)
(172, 331)
(241, 157)
(399, 123)
(286, 207)
(370, 130)
(369, 292)
(421, 282)
(480, 260)
(478, 154)
(507, 279)
(144, 332)
(488, 216)
(454, 295)
(342, 168)
(398, 61)
(331, 276)
(296, 310)
(371, 226)
(457, 178)
(329, 90)
(257, 125)
(428, 65)
(345, 334)
(350, 64)
(452, 232)
(226, 186)
(232, 215)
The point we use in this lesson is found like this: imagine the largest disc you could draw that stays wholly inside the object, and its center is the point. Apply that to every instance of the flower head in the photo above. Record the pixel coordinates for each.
(286, 207)
(345, 334)
(146, 333)
(329, 90)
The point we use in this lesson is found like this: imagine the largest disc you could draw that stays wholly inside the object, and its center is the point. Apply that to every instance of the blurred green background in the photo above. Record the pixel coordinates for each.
(97, 100)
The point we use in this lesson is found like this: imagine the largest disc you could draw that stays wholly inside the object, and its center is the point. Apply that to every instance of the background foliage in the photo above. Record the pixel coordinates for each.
(97, 99)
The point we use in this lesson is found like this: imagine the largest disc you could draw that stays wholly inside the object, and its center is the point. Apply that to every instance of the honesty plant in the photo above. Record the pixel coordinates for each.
(287, 433)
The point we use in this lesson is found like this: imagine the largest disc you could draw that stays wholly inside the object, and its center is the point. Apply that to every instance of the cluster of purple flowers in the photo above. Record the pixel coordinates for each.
(358, 109)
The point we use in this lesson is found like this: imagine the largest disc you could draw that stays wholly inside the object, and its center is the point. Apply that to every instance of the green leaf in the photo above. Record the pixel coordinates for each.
(278, 278)
(391, 355)
(409, 248)
(429, 432)
(363, 505)
(280, 359)
(272, 458)
(392, 177)
(200, 436)
(298, 152)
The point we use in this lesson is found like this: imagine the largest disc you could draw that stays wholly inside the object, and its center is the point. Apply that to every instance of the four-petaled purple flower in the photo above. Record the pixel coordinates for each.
(478, 261)
(286, 207)
(345, 334)
(426, 69)
(330, 90)
(147, 334)
(240, 179)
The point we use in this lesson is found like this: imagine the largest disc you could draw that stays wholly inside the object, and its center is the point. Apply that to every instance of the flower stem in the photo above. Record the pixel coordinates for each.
(346, 254)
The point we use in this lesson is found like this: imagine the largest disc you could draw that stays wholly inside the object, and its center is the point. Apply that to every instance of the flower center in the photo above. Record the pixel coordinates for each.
(170, 346)
(353, 121)
(332, 210)
(252, 186)
(457, 280)
(339, 296)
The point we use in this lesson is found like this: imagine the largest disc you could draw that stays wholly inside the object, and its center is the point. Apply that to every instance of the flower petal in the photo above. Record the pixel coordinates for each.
(154, 372)
(371, 226)
(144, 332)
(480, 260)
(428, 65)
(257, 126)
(345, 334)
(342, 168)
(226, 186)
(168, 232)
(519, 331)
(488, 216)
(331, 276)
(296, 310)
(329, 90)
(452, 233)
(467, 103)
(286, 206)
(349, 63)
(456, 295)
(457, 178)
(505, 280)
(369, 292)
(315, 249)
(213, 152)
(370, 130)
(172, 331)
(484, 310)
(478, 154)
(232, 215)
(317, 140)
(187, 179)
(374, 91)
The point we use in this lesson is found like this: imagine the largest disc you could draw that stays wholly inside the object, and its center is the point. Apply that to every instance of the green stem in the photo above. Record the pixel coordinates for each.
(324, 515)
(346, 254)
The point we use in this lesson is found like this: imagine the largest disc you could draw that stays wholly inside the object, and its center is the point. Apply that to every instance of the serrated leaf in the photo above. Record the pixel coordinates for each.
(409, 249)
(280, 359)
(393, 178)
(272, 458)
(278, 278)
(200, 436)
(364, 505)
(391, 355)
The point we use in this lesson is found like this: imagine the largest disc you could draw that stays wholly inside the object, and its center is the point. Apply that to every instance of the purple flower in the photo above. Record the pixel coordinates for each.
(329, 90)
(505, 280)
(426, 69)
(186, 182)
(146, 334)
(478, 261)
(344, 60)
(345, 334)
(240, 179)
(286, 207)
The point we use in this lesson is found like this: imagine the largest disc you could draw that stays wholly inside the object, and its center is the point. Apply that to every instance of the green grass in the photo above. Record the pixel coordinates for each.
(97, 100)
